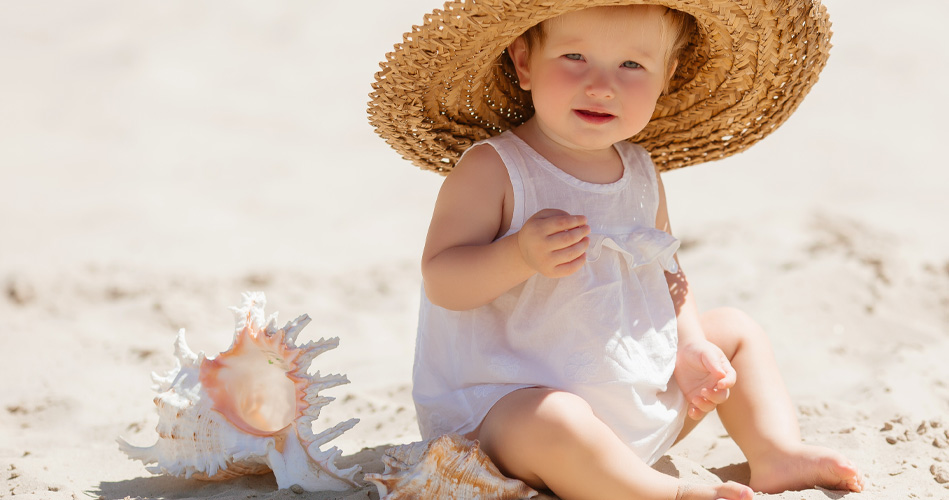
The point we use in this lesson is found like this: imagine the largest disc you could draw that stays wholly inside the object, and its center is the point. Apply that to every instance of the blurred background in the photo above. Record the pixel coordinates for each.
(198, 134)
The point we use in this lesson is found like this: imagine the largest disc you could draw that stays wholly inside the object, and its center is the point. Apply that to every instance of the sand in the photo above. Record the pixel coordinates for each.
(158, 159)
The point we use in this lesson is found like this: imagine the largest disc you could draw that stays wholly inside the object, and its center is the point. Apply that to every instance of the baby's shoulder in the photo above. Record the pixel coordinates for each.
(480, 153)
(481, 163)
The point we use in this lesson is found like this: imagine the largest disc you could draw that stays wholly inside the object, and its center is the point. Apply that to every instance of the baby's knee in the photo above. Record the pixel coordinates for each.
(545, 415)
(530, 427)
(564, 413)
(729, 326)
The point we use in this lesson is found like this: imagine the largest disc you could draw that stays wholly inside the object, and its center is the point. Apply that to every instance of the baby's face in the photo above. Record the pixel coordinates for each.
(596, 78)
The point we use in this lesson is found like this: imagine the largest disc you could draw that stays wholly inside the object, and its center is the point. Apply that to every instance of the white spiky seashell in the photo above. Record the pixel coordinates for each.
(445, 468)
(248, 410)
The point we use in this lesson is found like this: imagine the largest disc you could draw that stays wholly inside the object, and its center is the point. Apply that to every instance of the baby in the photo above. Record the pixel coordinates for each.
(557, 327)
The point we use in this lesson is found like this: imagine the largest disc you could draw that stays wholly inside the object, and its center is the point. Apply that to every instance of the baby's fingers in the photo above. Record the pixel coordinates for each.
(718, 365)
(702, 404)
(715, 396)
(551, 221)
(728, 381)
(569, 237)
(571, 259)
(708, 401)
(715, 361)
(695, 413)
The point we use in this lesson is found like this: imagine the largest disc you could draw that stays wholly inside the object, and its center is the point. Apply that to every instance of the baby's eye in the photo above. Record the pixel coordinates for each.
(574, 57)
(632, 65)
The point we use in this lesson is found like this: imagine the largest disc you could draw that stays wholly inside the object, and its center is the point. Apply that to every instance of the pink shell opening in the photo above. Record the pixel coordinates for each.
(251, 384)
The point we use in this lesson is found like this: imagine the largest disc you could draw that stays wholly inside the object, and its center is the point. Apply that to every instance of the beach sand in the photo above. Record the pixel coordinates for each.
(159, 159)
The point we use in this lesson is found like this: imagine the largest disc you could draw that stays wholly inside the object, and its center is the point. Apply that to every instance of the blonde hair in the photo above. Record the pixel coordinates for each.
(677, 29)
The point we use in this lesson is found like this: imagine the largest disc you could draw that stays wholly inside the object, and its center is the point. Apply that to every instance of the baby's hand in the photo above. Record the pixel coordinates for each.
(704, 375)
(554, 243)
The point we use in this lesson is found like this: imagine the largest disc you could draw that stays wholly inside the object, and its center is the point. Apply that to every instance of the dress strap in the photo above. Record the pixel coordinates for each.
(636, 158)
(506, 145)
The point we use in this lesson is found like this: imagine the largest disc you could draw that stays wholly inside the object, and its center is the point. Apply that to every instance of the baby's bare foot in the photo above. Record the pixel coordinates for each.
(802, 468)
(727, 491)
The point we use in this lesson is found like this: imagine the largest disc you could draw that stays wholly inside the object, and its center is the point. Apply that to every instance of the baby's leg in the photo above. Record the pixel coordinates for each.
(761, 419)
(551, 439)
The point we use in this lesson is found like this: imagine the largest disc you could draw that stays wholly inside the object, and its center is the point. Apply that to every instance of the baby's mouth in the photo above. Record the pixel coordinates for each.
(594, 116)
(592, 113)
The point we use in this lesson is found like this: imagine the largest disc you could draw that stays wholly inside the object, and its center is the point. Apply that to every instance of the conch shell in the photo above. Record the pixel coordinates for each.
(444, 468)
(248, 410)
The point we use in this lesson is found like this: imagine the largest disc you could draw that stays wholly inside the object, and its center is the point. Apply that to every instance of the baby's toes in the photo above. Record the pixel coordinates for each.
(842, 474)
(735, 491)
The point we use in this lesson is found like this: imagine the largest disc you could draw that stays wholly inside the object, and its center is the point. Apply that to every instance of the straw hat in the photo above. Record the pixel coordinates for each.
(746, 69)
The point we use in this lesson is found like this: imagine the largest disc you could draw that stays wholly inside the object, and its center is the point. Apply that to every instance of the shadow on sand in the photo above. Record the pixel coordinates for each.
(262, 487)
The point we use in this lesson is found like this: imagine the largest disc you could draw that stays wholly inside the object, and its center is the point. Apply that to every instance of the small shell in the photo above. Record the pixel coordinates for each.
(444, 468)
(248, 410)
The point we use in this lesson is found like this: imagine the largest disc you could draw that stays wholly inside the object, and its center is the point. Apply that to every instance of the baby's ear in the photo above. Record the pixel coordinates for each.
(520, 56)
(673, 66)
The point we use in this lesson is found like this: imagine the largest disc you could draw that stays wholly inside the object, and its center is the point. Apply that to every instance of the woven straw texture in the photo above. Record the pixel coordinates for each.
(450, 83)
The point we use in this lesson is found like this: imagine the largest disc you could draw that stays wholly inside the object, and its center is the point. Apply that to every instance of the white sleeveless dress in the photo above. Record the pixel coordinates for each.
(606, 333)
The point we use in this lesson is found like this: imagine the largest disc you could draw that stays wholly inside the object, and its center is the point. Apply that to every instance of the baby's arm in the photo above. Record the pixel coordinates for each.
(463, 265)
(702, 371)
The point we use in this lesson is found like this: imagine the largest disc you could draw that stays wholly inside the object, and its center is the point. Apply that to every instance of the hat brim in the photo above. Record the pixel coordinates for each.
(747, 68)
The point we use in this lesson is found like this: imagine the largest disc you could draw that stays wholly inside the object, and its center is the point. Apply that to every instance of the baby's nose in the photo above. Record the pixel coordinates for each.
(600, 85)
